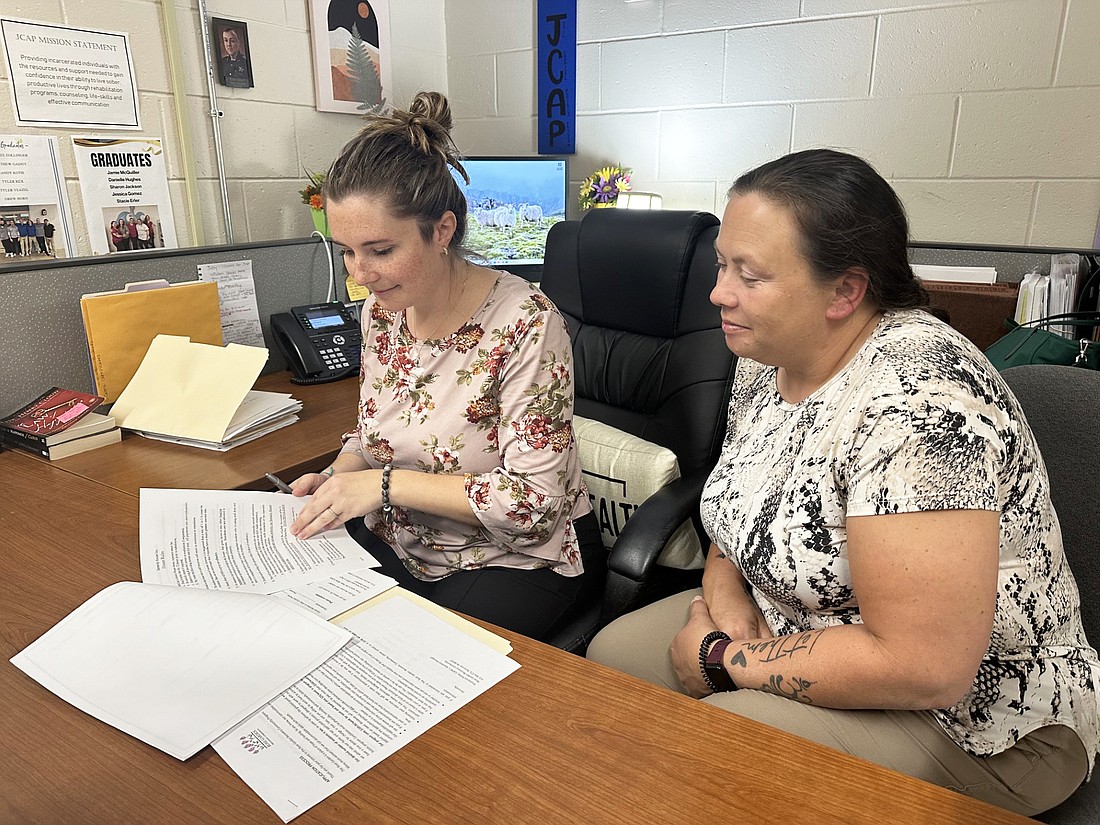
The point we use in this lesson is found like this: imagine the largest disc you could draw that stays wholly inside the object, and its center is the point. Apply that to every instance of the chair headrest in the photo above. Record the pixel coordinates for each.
(631, 270)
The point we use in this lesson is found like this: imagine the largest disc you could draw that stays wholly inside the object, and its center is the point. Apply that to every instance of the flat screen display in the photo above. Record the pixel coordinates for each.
(321, 319)
(512, 202)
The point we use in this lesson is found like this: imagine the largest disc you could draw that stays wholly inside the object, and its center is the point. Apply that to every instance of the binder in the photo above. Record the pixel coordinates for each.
(120, 325)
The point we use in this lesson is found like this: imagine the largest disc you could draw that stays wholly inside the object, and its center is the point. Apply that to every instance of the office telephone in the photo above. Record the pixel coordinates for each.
(321, 342)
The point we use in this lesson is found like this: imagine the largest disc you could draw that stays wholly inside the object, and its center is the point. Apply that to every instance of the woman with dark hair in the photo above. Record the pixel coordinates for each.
(463, 459)
(119, 239)
(886, 573)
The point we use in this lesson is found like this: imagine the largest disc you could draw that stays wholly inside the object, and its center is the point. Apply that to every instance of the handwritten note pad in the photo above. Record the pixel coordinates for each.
(237, 297)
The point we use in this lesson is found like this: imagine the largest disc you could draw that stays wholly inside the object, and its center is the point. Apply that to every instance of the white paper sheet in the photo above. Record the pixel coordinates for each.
(333, 596)
(404, 672)
(237, 540)
(176, 667)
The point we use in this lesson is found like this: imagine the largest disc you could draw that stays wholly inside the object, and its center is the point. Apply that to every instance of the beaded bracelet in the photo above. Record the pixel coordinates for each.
(387, 508)
(704, 649)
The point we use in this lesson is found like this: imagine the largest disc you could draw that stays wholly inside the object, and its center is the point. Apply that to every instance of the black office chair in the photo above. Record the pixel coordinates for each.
(649, 359)
(1062, 405)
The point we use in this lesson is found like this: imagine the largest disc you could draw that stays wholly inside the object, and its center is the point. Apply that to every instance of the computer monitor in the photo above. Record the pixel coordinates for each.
(512, 203)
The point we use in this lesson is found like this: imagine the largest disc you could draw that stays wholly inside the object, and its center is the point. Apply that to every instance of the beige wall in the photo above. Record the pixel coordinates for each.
(984, 113)
(270, 133)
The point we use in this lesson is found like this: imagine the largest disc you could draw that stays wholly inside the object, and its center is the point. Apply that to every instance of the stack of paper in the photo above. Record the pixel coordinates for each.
(260, 413)
(956, 274)
(199, 395)
(297, 706)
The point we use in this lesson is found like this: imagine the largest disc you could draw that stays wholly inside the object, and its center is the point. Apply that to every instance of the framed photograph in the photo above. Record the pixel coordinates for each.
(351, 54)
(231, 55)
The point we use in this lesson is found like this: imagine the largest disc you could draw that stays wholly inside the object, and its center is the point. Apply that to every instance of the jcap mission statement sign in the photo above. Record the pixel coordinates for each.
(64, 76)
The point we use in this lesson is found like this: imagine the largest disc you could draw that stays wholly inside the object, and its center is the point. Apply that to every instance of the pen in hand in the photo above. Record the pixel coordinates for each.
(279, 483)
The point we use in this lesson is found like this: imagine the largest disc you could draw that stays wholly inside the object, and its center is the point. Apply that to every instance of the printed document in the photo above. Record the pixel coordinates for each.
(237, 540)
(330, 597)
(177, 667)
(404, 671)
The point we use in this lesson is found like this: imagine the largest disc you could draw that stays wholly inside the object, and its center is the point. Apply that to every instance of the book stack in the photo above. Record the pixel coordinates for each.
(59, 423)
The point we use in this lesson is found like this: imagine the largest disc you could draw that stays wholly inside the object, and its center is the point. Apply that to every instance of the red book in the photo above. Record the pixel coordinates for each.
(52, 412)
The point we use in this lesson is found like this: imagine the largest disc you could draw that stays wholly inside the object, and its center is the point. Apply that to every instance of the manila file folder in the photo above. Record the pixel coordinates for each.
(121, 325)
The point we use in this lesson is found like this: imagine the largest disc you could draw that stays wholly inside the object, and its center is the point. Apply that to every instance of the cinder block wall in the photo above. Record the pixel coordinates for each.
(985, 114)
(270, 133)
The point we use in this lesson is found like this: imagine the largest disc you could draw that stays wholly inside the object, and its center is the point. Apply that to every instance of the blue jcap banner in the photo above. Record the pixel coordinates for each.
(557, 72)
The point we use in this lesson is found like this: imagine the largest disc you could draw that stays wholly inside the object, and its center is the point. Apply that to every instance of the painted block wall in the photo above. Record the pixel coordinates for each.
(270, 133)
(983, 113)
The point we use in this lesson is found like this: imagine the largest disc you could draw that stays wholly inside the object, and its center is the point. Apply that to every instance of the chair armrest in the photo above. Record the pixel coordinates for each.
(650, 527)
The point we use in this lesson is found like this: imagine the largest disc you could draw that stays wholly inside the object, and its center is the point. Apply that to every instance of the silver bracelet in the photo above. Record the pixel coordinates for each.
(387, 508)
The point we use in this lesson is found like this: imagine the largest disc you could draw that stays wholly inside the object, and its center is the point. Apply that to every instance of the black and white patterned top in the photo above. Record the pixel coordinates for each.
(918, 420)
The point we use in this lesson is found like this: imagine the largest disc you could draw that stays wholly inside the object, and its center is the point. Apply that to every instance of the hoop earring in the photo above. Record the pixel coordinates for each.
(445, 253)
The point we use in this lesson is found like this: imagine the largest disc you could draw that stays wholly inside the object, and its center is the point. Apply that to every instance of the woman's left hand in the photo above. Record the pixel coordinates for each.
(340, 499)
(684, 649)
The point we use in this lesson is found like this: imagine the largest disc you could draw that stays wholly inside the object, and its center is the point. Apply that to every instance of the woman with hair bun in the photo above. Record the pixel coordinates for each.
(462, 474)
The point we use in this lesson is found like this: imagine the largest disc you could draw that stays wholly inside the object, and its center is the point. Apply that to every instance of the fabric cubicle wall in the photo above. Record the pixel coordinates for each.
(42, 338)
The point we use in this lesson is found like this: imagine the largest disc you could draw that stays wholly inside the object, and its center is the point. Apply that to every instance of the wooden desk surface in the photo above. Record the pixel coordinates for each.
(328, 411)
(561, 740)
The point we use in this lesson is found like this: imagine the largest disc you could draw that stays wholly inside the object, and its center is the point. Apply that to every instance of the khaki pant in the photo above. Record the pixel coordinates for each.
(1037, 773)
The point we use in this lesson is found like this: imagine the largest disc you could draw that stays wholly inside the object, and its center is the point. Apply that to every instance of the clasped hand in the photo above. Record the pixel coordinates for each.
(684, 649)
(336, 500)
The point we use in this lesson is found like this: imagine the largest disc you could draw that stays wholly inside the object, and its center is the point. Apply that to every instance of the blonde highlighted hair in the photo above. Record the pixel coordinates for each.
(405, 157)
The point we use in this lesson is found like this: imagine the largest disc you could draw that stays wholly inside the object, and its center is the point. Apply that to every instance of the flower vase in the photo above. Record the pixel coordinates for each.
(320, 221)
(601, 205)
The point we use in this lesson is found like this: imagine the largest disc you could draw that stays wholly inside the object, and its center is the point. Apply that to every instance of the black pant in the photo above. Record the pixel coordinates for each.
(531, 602)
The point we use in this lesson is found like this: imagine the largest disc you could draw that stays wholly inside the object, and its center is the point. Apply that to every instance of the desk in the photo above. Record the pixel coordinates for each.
(328, 411)
(619, 749)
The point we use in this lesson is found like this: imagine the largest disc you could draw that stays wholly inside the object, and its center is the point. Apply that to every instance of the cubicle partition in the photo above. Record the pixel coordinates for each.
(42, 333)
(42, 337)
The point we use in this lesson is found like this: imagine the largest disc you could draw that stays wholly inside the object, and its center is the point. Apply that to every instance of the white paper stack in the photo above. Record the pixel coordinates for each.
(178, 666)
(956, 274)
(260, 413)
(200, 395)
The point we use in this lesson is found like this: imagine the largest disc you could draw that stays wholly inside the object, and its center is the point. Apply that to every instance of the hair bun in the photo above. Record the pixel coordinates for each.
(432, 106)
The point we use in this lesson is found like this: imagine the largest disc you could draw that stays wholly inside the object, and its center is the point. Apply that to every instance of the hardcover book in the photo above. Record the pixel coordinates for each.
(52, 412)
(89, 424)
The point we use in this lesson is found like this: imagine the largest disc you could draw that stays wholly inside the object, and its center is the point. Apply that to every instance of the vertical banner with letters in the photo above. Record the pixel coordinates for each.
(556, 65)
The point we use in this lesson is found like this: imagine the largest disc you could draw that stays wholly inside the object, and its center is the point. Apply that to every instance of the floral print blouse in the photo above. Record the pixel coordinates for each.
(918, 420)
(493, 402)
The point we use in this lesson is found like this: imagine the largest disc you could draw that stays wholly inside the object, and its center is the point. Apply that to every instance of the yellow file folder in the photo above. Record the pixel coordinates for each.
(120, 325)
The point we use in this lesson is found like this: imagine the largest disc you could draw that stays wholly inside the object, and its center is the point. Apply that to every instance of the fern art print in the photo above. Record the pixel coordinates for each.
(351, 64)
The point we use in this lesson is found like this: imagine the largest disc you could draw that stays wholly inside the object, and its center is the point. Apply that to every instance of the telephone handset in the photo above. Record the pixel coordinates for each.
(321, 342)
